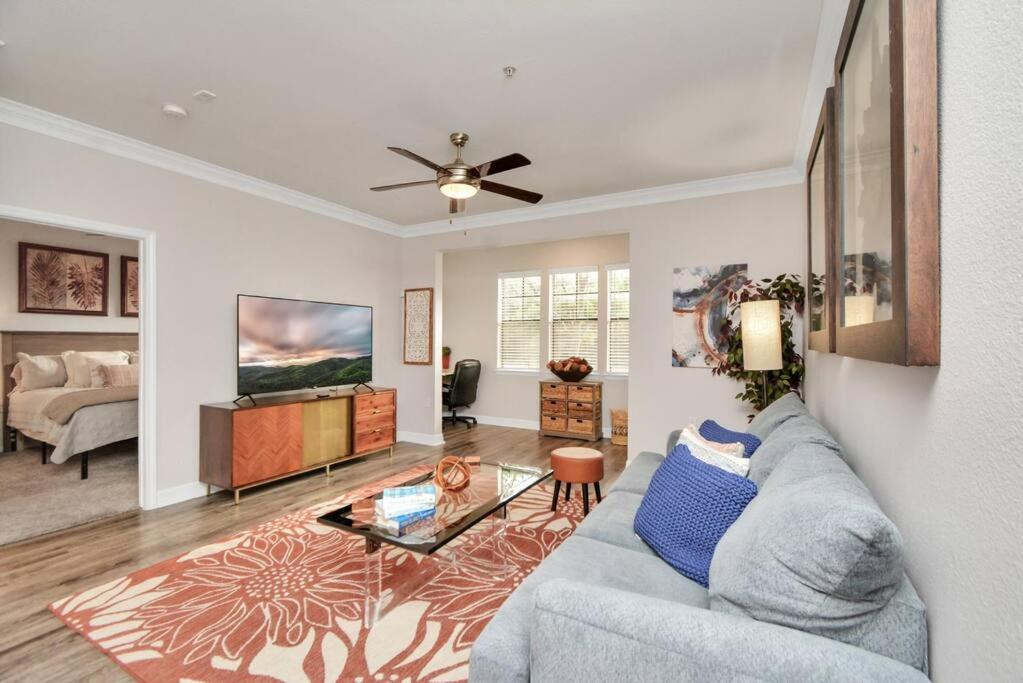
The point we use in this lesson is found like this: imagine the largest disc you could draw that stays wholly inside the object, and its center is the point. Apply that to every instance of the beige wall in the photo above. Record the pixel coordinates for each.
(211, 244)
(12, 232)
(763, 228)
(938, 446)
(470, 320)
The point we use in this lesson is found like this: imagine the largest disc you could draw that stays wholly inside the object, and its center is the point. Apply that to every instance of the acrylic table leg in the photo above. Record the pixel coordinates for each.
(373, 577)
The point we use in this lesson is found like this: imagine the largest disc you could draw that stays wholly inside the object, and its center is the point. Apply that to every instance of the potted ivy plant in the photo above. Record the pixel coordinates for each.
(445, 354)
(788, 290)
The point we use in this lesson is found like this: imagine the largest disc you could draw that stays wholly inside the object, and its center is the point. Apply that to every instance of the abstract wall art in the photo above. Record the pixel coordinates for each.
(699, 307)
(59, 280)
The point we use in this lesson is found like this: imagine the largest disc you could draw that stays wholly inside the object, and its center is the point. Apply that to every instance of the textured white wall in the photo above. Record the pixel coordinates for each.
(212, 243)
(470, 318)
(763, 228)
(939, 446)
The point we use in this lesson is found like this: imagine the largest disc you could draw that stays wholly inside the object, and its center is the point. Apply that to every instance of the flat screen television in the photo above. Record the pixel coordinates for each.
(288, 344)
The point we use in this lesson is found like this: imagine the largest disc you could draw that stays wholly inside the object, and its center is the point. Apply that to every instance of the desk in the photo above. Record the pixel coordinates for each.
(446, 375)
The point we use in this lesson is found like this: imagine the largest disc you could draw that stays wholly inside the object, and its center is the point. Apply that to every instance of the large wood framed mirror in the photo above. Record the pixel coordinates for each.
(820, 220)
(886, 296)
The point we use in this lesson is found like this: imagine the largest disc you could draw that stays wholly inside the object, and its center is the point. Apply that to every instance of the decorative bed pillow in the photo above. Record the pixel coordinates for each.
(687, 508)
(82, 366)
(121, 375)
(712, 431)
(726, 456)
(134, 357)
(40, 372)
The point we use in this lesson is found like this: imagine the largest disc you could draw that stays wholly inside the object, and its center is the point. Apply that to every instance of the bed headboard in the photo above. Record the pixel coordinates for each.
(52, 344)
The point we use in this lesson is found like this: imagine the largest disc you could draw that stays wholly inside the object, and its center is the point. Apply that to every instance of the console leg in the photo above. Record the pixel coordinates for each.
(237, 496)
(328, 471)
(209, 490)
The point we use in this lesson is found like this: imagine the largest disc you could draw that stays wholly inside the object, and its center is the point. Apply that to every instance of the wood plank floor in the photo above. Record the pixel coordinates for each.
(35, 645)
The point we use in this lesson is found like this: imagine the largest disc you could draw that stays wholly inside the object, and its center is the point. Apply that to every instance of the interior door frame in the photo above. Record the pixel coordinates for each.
(147, 328)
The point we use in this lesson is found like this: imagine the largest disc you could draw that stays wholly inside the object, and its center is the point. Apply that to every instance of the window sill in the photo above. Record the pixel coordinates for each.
(517, 373)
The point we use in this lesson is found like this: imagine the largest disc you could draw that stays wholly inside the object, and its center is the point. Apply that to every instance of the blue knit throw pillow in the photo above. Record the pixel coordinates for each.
(712, 431)
(687, 508)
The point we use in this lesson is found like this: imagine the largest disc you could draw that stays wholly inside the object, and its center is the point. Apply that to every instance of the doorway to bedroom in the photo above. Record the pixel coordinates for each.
(69, 344)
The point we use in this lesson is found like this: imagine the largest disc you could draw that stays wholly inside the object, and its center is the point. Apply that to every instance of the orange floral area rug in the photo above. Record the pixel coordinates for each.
(284, 602)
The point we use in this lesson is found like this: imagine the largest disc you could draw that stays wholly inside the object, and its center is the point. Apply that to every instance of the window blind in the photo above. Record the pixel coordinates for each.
(618, 320)
(518, 322)
(574, 320)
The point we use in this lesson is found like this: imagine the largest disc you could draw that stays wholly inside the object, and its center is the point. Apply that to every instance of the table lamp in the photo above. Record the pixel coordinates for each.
(761, 337)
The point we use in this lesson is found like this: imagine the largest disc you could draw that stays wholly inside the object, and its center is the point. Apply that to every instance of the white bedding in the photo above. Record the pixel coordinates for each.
(89, 428)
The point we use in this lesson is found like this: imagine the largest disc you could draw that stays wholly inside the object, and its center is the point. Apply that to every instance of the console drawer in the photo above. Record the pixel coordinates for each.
(580, 426)
(381, 437)
(576, 409)
(374, 403)
(549, 407)
(553, 390)
(368, 422)
(553, 423)
(580, 393)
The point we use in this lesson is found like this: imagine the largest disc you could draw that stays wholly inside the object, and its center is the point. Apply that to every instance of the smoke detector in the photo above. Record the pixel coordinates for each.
(175, 111)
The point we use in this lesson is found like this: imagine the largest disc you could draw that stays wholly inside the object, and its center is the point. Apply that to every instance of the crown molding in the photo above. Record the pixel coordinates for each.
(822, 73)
(46, 123)
(743, 182)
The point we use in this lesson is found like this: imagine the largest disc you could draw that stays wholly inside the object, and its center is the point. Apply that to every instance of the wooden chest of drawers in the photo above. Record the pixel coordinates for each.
(571, 409)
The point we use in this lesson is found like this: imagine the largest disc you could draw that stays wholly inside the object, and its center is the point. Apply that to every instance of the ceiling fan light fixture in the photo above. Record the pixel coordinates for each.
(458, 190)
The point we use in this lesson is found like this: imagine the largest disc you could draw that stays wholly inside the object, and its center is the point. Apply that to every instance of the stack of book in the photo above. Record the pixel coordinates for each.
(398, 509)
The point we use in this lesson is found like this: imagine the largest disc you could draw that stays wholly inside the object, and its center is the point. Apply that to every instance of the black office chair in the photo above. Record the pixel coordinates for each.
(461, 392)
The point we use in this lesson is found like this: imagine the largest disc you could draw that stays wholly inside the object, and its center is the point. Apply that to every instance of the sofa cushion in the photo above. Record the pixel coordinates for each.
(501, 652)
(611, 522)
(776, 414)
(688, 507)
(712, 431)
(814, 552)
(800, 433)
(636, 477)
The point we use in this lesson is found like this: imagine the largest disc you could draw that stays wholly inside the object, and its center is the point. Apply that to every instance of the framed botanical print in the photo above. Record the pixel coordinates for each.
(820, 220)
(129, 287)
(418, 327)
(886, 260)
(61, 280)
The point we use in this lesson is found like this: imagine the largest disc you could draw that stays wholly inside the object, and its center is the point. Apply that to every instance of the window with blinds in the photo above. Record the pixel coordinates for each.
(518, 321)
(618, 320)
(574, 319)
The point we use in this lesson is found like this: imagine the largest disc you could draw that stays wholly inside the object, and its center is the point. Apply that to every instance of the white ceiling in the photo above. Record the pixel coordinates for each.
(609, 96)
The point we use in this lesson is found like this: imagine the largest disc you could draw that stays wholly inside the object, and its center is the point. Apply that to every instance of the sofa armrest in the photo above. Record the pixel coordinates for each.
(582, 632)
(673, 441)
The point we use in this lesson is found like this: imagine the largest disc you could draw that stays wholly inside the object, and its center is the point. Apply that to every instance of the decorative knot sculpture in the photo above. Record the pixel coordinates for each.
(452, 473)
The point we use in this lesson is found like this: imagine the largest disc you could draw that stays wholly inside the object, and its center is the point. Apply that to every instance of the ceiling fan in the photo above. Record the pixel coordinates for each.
(459, 181)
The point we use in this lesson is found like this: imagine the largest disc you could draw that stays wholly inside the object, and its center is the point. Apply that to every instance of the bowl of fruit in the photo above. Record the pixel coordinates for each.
(572, 369)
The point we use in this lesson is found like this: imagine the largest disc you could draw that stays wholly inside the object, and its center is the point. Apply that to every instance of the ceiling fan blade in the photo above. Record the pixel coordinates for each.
(415, 157)
(398, 186)
(503, 164)
(456, 205)
(509, 191)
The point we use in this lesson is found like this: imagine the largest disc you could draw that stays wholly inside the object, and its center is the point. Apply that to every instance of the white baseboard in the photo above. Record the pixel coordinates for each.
(179, 494)
(421, 438)
(516, 423)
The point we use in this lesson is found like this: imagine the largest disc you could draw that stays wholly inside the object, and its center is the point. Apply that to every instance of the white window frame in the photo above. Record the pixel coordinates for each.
(520, 371)
(606, 322)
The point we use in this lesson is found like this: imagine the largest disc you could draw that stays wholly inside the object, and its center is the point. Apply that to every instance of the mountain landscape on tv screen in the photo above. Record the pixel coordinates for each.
(259, 379)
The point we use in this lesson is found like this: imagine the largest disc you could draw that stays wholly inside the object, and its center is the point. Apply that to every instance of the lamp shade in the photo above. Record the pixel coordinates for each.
(859, 310)
(761, 335)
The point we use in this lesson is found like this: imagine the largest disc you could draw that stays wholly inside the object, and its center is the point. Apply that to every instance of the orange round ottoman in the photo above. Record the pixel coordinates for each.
(577, 465)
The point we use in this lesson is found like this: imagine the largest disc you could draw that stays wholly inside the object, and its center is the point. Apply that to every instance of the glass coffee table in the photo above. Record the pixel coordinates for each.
(481, 507)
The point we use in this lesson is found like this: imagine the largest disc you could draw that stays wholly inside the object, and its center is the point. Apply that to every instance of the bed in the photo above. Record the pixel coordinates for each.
(90, 426)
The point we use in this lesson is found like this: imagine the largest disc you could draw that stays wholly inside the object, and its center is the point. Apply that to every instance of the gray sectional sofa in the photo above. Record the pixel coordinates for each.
(806, 585)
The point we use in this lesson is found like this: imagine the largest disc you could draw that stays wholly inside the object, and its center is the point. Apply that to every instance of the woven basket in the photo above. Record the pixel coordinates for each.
(620, 427)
